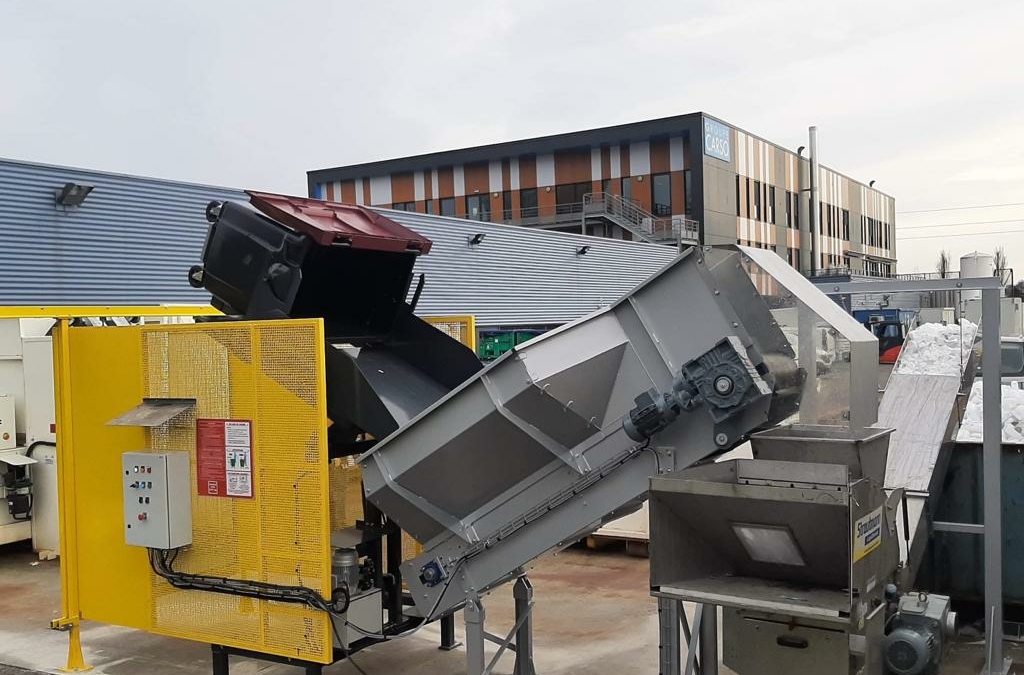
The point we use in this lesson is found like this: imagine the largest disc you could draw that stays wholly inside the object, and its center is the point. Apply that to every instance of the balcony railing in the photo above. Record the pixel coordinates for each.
(624, 212)
(632, 217)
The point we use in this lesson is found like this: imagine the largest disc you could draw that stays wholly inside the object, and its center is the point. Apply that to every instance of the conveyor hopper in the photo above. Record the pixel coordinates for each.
(531, 453)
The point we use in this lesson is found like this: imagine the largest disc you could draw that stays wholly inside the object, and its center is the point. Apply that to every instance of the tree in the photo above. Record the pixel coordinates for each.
(1002, 265)
(942, 266)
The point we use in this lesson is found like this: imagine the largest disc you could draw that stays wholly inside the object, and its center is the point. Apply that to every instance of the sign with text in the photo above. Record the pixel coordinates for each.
(224, 457)
(867, 534)
(717, 141)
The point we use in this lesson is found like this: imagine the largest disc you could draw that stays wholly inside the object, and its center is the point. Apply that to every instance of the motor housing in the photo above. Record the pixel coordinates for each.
(919, 634)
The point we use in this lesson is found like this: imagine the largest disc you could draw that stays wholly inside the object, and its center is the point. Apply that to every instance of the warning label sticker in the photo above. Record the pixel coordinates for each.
(867, 534)
(224, 457)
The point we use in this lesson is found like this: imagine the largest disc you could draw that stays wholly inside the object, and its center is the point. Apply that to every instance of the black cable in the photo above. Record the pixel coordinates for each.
(355, 665)
(33, 444)
(158, 559)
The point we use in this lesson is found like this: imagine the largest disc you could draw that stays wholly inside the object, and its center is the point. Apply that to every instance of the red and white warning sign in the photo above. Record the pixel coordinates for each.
(224, 457)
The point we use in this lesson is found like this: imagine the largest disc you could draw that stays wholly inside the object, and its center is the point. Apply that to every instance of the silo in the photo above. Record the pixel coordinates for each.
(974, 265)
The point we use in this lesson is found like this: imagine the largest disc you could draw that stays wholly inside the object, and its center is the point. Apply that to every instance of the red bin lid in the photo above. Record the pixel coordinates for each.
(330, 223)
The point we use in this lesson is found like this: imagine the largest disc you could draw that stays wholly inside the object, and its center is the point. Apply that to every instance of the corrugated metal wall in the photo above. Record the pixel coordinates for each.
(131, 241)
(524, 276)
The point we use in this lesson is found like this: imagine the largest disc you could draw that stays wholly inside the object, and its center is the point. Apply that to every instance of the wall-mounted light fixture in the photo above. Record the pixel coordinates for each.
(871, 184)
(496, 195)
(582, 250)
(640, 179)
(475, 239)
(800, 151)
(72, 194)
(547, 189)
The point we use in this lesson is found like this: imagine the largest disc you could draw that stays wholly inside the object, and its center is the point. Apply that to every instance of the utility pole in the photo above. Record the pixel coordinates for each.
(815, 208)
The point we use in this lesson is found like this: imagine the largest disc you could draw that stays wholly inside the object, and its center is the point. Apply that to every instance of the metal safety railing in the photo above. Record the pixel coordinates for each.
(624, 212)
(629, 215)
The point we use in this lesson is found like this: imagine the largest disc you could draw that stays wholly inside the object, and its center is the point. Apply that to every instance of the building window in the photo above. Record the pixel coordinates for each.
(846, 224)
(448, 206)
(661, 194)
(404, 206)
(569, 198)
(757, 200)
(627, 188)
(789, 209)
(688, 192)
(528, 203)
(506, 206)
(478, 207)
(747, 194)
(738, 195)
(771, 205)
(430, 206)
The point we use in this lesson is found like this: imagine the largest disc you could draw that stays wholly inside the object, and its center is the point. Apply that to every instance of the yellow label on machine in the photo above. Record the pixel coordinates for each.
(867, 534)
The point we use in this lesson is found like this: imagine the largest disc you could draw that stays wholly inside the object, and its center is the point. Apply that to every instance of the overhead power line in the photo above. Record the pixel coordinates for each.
(962, 208)
(962, 234)
(973, 222)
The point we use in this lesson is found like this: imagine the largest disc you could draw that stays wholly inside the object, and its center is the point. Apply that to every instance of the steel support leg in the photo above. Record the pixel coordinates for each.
(992, 437)
(220, 660)
(473, 614)
(709, 641)
(668, 637)
(522, 592)
(448, 641)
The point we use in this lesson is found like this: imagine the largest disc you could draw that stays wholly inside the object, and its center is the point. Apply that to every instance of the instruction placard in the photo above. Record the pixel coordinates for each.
(224, 457)
(867, 534)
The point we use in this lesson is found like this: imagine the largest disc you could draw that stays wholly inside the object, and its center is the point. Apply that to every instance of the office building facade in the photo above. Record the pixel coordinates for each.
(678, 180)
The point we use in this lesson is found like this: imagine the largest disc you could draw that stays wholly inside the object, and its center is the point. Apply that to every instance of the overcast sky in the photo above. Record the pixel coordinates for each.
(926, 96)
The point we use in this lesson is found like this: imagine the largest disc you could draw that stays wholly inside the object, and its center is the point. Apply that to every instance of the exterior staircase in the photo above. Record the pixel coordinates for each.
(606, 207)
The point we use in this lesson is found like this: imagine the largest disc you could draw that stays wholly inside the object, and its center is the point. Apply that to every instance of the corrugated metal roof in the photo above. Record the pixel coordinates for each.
(518, 276)
(330, 223)
(131, 241)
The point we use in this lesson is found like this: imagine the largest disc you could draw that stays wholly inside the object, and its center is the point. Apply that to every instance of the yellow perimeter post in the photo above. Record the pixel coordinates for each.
(75, 311)
(71, 614)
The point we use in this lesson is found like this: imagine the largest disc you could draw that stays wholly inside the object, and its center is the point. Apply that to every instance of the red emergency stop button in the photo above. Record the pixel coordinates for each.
(142, 516)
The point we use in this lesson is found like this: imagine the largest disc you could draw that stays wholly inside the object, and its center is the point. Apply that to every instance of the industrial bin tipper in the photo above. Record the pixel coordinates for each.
(320, 356)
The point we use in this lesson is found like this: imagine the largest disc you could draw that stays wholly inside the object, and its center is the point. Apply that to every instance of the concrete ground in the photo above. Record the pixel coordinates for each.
(593, 617)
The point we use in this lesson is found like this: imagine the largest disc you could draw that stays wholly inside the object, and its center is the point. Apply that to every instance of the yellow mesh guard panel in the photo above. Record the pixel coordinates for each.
(347, 502)
(269, 372)
(461, 328)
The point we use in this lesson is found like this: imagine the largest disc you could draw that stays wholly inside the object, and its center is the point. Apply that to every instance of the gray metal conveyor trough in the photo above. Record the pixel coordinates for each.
(531, 453)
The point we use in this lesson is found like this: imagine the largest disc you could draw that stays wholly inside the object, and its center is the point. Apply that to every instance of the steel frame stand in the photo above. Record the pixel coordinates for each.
(448, 640)
(519, 639)
(222, 654)
(702, 641)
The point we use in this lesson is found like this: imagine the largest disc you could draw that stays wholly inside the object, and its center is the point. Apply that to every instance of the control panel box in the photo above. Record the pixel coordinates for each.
(157, 499)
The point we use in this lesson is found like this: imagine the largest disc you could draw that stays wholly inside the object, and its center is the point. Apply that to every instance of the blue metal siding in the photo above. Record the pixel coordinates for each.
(131, 241)
(523, 276)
